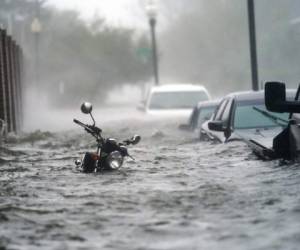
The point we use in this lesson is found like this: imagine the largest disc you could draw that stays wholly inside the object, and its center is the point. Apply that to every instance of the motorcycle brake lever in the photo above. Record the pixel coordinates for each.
(95, 129)
(124, 151)
(88, 130)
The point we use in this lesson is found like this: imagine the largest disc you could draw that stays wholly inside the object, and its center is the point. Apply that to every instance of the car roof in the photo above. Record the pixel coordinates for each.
(213, 103)
(246, 95)
(255, 95)
(178, 87)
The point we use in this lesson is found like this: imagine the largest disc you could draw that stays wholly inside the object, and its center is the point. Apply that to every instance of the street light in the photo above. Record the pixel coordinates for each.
(151, 10)
(36, 28)
(252, 40)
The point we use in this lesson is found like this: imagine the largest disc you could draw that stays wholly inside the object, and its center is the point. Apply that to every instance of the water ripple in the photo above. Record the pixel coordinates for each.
(178, 194)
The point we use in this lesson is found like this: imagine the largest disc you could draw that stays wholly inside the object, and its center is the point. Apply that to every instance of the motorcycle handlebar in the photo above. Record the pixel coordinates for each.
(90, 129)
(79, 123)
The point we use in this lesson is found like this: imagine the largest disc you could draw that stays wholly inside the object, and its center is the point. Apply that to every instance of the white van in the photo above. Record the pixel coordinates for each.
(175, 99)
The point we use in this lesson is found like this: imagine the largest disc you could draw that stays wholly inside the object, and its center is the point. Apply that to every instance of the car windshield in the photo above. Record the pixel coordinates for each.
(176, 100)
(247, 117)
(205, 114)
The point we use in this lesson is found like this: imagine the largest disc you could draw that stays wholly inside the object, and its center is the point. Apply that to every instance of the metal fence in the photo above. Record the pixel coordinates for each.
(11, 57)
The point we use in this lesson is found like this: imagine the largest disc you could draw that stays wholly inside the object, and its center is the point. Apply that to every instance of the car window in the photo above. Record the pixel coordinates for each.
(226, 112)
(247, 117)
(220, 110)
(205, 114)
(176, 99)
(194, 117)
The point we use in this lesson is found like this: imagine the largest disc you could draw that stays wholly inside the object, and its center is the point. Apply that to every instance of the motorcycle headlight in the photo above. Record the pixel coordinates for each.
(114, 160)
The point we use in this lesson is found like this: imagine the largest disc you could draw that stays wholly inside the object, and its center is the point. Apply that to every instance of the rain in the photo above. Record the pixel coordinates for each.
(149, 124)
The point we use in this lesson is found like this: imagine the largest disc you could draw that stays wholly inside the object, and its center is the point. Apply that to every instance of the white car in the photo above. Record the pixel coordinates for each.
(174, 99)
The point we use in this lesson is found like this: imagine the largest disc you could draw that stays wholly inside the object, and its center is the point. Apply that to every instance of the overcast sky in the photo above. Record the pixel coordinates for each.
(116, 12)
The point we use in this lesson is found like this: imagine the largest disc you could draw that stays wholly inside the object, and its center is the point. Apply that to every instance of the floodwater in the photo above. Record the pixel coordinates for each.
(177, 194)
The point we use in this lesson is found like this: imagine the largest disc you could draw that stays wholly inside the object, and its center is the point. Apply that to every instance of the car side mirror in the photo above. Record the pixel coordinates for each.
(275, 99)
(216, 126)
(275, 96)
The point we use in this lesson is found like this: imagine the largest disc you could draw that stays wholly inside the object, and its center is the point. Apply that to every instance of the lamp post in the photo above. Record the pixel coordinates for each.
(252, 40)
(36, 29)
(151, 10)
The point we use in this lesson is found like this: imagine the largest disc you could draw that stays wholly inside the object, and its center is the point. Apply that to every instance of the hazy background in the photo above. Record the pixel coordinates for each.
(89, 48)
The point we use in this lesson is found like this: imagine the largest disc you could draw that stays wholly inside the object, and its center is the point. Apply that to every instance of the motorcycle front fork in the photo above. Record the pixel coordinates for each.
(98, 167)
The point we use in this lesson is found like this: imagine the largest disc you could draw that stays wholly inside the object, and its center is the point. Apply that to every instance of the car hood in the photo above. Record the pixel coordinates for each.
(170, 112)
(262, 136)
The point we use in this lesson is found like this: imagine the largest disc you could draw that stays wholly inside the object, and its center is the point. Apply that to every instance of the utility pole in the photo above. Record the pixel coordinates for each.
(252, 40)
(154, 50)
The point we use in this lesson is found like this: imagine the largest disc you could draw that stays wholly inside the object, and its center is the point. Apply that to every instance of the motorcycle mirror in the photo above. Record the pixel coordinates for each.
(135, 139)
(78, 162)
(86, 108)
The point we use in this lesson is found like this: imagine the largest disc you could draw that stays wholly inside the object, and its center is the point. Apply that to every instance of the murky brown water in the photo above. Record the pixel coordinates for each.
(178, 194)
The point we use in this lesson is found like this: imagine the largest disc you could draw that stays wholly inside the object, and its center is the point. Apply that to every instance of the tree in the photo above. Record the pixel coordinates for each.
(89, 59)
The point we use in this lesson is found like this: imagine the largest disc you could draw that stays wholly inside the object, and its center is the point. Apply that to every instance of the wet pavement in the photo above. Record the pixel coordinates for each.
(178, 194)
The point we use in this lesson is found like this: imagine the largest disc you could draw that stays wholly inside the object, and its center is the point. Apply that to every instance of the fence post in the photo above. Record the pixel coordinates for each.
(10, 84)
(7, 83)
(21, 80)
(18, 86)
(11, 122)
(13, 84)
(3, 101)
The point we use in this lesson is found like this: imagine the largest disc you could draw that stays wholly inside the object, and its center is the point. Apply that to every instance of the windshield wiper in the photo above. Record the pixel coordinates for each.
(274, 118)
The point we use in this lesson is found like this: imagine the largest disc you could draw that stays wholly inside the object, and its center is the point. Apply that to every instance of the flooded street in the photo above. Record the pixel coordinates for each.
(143, 64)
(178, 194)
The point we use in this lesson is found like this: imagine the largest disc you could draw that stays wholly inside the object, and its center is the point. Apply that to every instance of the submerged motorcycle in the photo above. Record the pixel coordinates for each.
(110, 154)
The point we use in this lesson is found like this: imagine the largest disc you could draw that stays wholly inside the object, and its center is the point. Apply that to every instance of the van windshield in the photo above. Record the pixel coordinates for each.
(176, 100)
